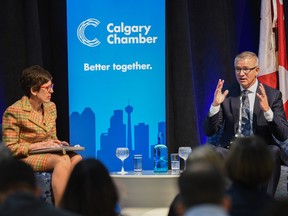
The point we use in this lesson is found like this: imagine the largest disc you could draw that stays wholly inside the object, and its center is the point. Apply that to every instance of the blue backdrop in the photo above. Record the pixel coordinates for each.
(116, 71)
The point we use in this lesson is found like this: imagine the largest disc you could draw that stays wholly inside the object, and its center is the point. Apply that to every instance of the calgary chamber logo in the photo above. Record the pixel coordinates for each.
(81, 32)
(118, 33)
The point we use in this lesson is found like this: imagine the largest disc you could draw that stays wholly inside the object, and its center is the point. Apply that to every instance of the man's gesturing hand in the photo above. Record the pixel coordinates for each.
(263, 98)
(218, 95)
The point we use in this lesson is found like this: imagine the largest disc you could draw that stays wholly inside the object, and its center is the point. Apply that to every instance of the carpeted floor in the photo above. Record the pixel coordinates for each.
(282, 192)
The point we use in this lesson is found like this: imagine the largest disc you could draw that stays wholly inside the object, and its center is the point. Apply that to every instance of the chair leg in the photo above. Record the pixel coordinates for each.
(44, 183)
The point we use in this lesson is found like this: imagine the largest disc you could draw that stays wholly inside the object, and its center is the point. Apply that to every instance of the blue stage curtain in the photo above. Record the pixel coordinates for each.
(34, 32)
(203, 38)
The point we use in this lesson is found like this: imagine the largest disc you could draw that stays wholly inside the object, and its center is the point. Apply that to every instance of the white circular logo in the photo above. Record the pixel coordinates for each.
(81, 32)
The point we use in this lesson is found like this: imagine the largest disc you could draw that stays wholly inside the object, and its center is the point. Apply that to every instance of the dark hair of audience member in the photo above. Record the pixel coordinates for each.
(201, 183)
(90, 190)
(16, 175)
(249, 161)
(5, 153)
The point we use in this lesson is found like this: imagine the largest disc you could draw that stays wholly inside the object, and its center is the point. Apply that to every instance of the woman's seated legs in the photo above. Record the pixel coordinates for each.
(61, 166)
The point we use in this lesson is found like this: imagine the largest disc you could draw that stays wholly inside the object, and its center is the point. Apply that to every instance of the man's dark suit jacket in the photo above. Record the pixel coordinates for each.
(228, 118)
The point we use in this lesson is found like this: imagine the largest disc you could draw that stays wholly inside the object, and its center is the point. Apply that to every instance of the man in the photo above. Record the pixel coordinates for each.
(202, 190)
(201, 154)
(19, 194)
(256, 111)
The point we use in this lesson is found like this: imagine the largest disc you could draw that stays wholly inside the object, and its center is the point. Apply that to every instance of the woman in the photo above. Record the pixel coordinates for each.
(90, 190)
(249, 165)
(30, 123)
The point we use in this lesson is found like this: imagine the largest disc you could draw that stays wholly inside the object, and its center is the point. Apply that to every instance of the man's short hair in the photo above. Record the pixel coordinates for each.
(201, 183)
(245, 55)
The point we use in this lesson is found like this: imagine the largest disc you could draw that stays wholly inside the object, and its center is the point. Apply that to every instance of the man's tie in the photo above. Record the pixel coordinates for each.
(245, 126)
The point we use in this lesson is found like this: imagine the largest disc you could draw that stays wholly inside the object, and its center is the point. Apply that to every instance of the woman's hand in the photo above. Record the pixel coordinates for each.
(64, 143)
(45, 144)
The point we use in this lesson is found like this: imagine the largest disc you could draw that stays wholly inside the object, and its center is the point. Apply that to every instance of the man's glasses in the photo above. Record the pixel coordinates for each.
(48, 88)
(246, 70)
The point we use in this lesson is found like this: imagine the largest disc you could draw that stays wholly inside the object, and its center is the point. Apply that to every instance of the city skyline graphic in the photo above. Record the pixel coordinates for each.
(83, 130)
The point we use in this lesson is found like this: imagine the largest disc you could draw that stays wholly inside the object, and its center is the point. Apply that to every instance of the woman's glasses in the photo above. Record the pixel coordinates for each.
(48, 88)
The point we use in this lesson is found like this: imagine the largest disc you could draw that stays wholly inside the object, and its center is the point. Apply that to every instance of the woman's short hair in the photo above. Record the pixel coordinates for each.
(34, 77)
(249, 161)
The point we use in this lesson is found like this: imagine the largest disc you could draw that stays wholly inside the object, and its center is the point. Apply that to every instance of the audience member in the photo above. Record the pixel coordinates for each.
(204, 153)
(280, 208)
(90, 190)
(5, 153)
(19, 194)
(249, 165)
(249, 108)
(202, 187)
(177, 206)
(30, 123)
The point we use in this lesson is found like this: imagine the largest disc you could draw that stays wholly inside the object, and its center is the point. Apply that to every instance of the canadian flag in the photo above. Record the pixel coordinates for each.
(273, 58)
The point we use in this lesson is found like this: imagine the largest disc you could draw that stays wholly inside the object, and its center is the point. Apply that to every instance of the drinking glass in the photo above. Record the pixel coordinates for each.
(122, 154)
(175, 163)
(184, 153)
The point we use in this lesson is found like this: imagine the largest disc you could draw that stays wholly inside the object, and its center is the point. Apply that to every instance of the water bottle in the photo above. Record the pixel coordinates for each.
(160, 156)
